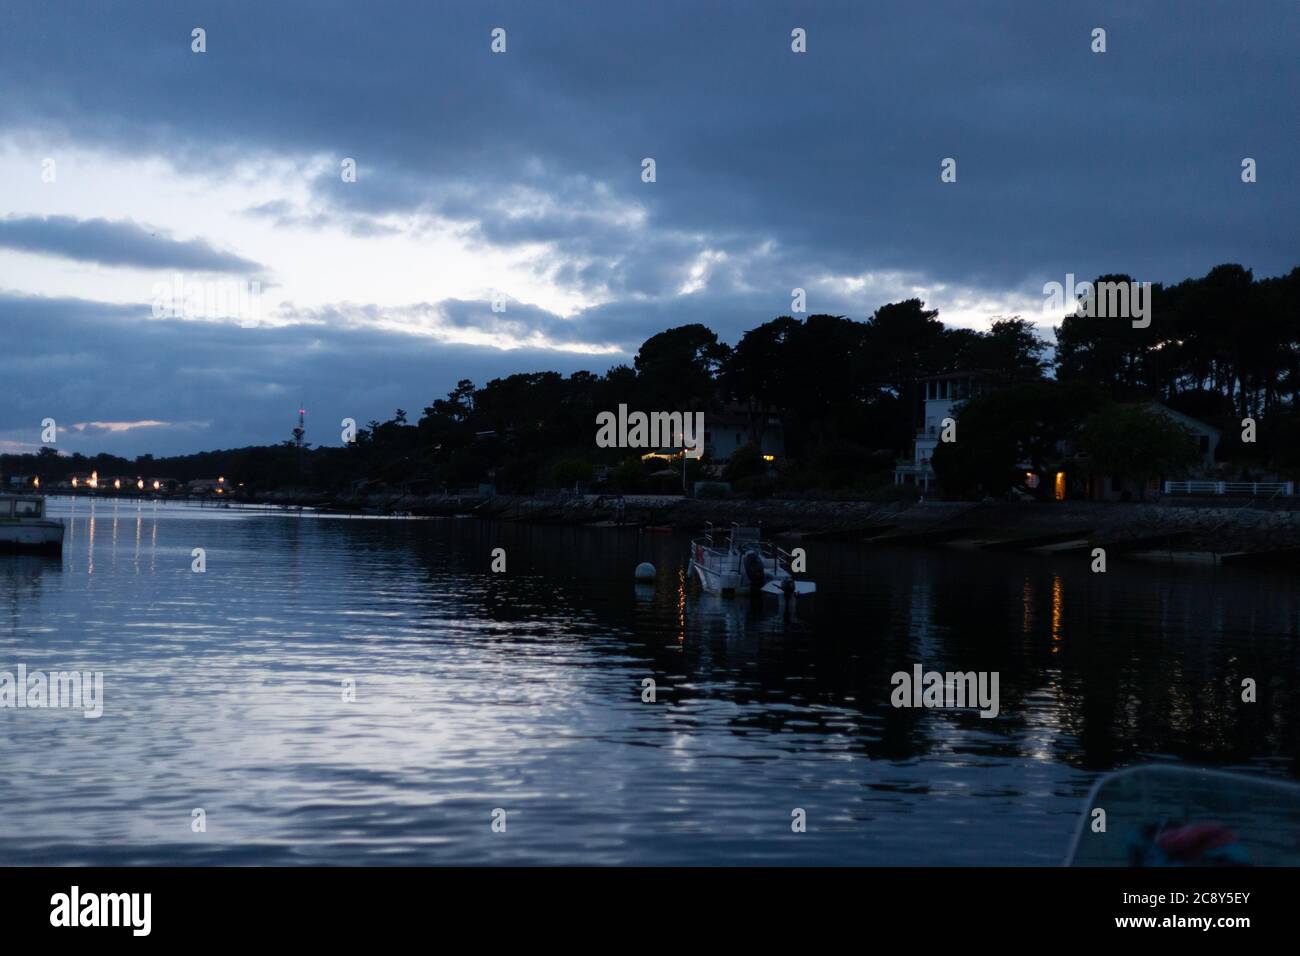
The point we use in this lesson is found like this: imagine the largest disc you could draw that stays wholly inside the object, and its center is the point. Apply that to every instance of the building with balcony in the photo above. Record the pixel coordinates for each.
(941, 395)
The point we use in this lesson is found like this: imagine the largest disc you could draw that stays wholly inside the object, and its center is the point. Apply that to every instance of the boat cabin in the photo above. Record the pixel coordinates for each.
(14, 507)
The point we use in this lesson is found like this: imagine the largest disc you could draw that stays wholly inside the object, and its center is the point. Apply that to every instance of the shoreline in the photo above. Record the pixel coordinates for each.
(1214, 531)
(1229, 531)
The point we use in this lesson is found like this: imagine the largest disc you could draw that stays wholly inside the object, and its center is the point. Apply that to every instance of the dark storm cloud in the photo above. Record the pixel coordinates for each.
(115, 243)
(1066, 159)
(219, 385)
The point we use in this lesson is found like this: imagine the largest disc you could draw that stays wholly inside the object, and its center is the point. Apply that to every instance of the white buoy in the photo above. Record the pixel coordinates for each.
(645, 571)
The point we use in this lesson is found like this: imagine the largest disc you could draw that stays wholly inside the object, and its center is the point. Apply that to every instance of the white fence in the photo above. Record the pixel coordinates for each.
(1255, 488)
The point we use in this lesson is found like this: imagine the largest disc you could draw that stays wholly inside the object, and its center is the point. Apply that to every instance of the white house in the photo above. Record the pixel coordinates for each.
(942, 394)
(730, 429)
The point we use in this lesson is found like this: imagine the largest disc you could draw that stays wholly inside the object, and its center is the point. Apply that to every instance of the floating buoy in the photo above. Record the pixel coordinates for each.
(645, 571)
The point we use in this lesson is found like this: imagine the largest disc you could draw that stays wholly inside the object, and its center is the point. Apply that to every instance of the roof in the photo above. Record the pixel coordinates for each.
(1188, 420)
(960, 373)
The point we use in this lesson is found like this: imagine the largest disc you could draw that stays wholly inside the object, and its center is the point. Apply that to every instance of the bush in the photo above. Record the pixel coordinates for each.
(570, 471)
(711, 490)
(745, 462)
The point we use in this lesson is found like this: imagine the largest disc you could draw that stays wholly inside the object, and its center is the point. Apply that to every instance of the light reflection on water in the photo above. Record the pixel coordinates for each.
(523, 691)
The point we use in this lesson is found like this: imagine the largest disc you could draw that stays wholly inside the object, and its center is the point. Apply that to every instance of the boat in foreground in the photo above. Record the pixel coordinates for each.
(743, 563)
(24, 527)
(1168, 815)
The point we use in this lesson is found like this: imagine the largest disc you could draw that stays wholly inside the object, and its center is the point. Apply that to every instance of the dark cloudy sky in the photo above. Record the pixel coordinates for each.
(519, 175)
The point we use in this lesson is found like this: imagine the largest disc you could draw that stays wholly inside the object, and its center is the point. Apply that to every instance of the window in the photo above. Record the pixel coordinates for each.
(6, 508)
(27, 508)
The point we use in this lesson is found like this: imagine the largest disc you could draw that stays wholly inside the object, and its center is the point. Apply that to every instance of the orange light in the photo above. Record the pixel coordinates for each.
(74, 482)
(155, 486)
(139, 483)
(117, 482)
(36, 482)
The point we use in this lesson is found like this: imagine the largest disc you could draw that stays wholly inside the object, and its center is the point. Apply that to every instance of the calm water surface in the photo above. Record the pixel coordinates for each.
(522, 691)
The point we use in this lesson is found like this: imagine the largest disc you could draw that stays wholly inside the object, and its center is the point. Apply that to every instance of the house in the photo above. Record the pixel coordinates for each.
(941, 395)
(1207, 436)
(1098, 487)
(728, 430)
(734, 426)
(206, 486)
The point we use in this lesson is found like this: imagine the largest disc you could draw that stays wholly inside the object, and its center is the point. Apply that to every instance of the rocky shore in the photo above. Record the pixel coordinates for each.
(1215, 527)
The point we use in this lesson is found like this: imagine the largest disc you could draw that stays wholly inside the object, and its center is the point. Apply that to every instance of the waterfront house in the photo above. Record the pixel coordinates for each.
(206, 486)
(1101, 487)
(729, 429)
(941, 395)
(734, 426)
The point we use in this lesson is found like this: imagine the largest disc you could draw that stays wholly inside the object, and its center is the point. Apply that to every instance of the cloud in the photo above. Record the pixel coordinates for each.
(99, 427)
(121, 243)
(217, 385)
(1067, 160)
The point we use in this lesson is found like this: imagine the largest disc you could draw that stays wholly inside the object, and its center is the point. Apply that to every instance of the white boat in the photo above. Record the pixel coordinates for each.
(24, 527)
(743, 563)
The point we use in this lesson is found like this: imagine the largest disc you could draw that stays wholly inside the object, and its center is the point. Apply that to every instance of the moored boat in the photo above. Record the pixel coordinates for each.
(743, 563)
(24, 527)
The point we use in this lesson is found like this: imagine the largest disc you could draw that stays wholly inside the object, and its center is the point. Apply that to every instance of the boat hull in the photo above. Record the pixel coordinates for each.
(40, 535)
(715, 581)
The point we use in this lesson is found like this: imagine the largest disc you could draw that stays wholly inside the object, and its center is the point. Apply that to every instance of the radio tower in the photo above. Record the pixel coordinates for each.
(298, 434)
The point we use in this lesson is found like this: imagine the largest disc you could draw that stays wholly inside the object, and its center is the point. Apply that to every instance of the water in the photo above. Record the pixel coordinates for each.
(522, 691)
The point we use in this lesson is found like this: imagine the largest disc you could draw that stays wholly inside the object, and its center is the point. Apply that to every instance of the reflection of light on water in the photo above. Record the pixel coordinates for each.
(681, 606)
(1058, 601)
(90, 541)
(1027, 607)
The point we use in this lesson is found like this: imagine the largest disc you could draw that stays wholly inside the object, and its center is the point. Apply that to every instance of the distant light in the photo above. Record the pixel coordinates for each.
(117, 482)
(769, 457)
(139, 483)
(74, 482)
(156, 486)
(36, 482)
(221, 481)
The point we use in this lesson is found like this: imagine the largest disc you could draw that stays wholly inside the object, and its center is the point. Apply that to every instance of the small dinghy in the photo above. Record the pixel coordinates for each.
(24, 527)
(1162, 815)
(744, 564)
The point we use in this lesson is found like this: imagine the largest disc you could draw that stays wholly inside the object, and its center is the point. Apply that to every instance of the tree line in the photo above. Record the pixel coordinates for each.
(1219, 348)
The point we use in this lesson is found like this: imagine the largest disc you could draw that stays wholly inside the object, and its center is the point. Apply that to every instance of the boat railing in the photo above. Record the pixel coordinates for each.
(709, 542)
